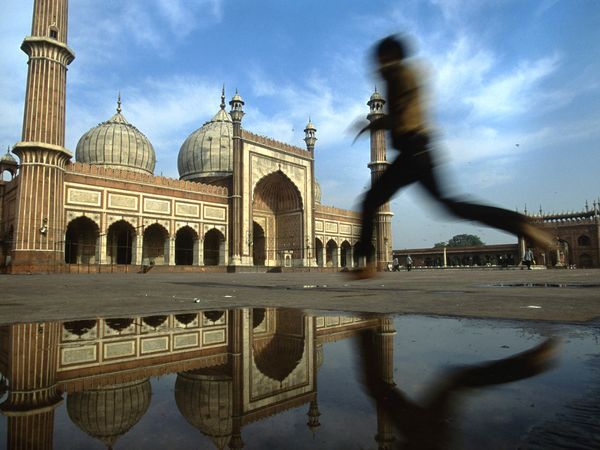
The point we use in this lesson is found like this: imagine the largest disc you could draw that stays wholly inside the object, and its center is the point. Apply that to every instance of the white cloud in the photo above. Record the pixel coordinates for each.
(514, 92)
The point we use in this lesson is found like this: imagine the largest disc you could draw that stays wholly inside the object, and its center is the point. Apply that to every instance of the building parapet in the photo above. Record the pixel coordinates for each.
(272, 143)
(125, 175)
(332, 210)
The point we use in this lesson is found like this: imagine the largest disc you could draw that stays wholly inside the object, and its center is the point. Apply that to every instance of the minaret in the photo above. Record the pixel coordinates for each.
(378, 164)
(40, 227)
(310, 138)
(236, 245)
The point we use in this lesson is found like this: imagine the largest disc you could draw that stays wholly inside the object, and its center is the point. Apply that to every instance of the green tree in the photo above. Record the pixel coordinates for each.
(461, 240)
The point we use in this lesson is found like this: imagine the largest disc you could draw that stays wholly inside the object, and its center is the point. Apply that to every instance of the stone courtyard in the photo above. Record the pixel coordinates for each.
(554, 295)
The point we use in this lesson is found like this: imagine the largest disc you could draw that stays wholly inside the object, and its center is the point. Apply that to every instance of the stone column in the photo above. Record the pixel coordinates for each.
(171, 251)
(445, 258)
(338, 257)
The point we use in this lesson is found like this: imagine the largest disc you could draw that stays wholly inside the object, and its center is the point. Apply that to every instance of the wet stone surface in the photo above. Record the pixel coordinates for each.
(284, 378)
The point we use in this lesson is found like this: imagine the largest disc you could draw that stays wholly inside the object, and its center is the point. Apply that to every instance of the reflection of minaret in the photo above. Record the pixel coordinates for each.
(38, 238)
(236, 333)
(313, 411)
(378, 164)
(32, 398)
(384, 345)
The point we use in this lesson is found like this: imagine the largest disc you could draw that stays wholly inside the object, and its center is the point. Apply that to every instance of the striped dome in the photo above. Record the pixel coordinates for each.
(117, 144)
(207, 153)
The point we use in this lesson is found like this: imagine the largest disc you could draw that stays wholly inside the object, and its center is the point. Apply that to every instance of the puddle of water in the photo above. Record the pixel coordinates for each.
(546, 285)
(280, 378)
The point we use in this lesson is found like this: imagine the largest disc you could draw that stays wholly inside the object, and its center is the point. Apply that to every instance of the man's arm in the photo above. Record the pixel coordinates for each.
(381, 123)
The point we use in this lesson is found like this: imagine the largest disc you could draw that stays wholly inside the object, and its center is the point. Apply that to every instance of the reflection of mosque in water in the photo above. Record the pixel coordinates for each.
(233, 368)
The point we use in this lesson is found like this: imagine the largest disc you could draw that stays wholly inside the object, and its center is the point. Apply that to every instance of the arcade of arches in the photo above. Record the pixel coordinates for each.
(123, 245)
(344, 255)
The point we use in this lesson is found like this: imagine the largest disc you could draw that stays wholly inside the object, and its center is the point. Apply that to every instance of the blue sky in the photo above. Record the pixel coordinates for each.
(499, 73)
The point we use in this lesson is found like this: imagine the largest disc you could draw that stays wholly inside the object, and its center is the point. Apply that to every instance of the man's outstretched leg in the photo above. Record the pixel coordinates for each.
(397, 175)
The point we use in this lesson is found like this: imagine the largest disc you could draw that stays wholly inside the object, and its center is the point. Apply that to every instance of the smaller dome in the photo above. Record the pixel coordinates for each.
(8, 159)
(117, 144)
(237, 98)
(376, 96)
(310, 126)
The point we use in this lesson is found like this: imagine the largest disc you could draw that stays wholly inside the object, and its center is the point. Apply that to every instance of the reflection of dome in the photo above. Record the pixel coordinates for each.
(317, 193)
(206, 153)
(117, 144)
(111, 411)
(204, 398)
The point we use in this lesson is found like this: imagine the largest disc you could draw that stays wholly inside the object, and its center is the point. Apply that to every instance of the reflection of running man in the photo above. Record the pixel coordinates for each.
(410, 136)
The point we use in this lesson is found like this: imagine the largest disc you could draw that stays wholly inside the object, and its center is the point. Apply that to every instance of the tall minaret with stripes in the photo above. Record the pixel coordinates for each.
(378, 164)
(38, 238)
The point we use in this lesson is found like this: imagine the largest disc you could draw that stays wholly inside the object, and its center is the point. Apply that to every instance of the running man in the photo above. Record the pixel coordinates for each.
(415, 162)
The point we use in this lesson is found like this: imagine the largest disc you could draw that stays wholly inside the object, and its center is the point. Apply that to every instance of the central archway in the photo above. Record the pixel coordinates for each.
(277, 207)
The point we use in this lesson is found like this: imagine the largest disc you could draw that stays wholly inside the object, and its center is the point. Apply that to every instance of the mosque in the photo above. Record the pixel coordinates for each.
(242, 201)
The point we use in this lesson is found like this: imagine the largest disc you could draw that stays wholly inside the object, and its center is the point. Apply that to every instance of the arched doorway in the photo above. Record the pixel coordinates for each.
(277, 204)
(184, 246)
(319, 252)
(156, 245)
(585, 261)
(259, 254)
(81, 241)
(331, 255)
(345, 254)
(214, 248)
(120, 240)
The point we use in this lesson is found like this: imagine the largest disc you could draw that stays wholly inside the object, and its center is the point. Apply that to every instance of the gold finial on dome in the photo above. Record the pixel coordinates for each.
(119, 103)
(223, 98)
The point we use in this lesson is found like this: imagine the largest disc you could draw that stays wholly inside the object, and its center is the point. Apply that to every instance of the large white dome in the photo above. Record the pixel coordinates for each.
(117, 144)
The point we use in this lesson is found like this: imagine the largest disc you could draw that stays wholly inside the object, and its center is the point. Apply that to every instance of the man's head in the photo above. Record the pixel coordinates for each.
(390, 50)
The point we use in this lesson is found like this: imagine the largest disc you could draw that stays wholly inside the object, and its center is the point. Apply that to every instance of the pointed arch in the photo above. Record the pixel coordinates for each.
(156, 245)
(346, 254)
(331, 254)
(81, 241)
(120, 242)
(214, 248)
(185, 238)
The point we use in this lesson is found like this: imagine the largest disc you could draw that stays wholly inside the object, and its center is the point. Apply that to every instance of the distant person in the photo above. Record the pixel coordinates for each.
(415, 162)
(409, 263)
(528, 258)
(395, 264)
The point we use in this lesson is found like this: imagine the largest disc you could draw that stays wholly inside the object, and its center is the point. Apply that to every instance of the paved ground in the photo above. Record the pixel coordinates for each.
(558, 295)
